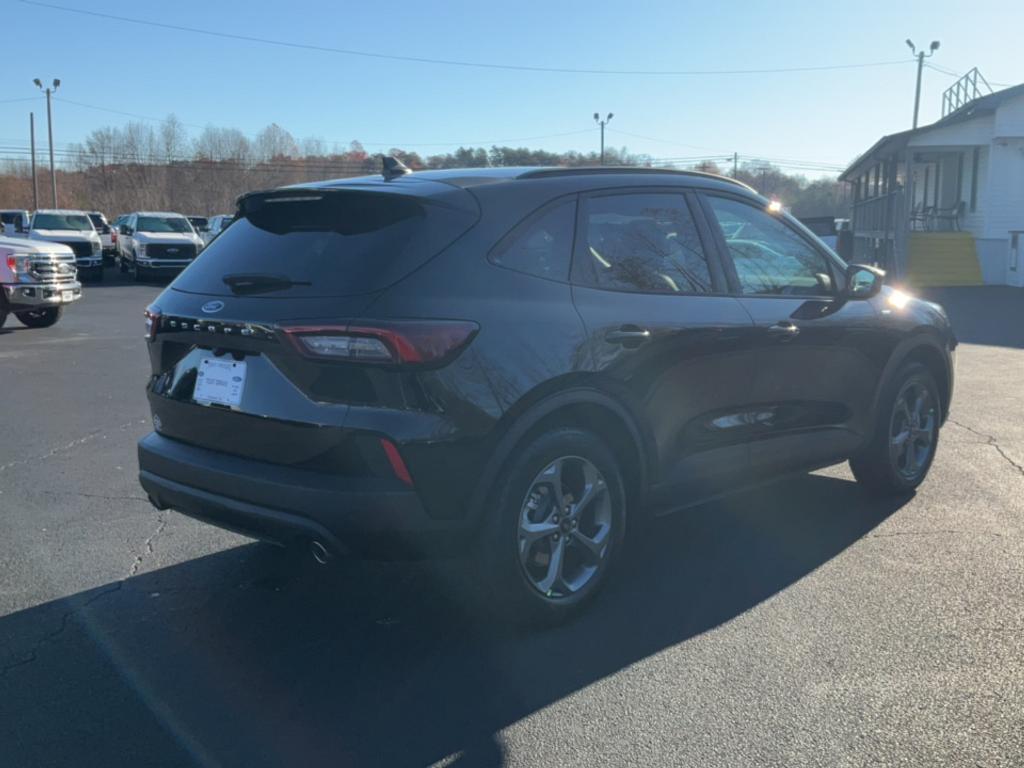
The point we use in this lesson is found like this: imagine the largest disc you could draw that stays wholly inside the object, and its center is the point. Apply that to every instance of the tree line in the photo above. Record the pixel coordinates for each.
(143, 167)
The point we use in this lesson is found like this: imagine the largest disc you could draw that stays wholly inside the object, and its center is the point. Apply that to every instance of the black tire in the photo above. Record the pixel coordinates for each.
(3, 310)
(138, 273)
(40, 318)
(509, 592)
(122, 265)
(884, 469)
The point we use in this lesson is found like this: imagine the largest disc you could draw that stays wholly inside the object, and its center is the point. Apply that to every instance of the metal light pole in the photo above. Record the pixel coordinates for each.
(49, 129)
(602, 123)
(32, 142)
(921, 56)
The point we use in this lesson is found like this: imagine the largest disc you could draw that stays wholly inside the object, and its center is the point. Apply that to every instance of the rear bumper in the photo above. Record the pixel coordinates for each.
(287, 506)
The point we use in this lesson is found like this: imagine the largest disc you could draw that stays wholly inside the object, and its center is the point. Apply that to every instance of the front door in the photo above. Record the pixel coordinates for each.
(663, 335)
(816, 372)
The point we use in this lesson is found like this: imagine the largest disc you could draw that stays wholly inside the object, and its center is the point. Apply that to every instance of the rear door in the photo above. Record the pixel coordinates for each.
(815, 371)
(663, 333)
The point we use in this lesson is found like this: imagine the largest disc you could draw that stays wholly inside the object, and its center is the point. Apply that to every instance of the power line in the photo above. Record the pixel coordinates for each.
(954, 73)
(452, 62)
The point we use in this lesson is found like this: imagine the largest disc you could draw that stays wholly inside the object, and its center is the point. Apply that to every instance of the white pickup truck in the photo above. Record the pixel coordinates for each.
(36, 280)
(75, 230)
(156, 243)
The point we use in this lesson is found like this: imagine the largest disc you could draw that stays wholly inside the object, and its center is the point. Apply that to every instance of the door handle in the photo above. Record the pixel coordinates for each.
(628, 336)
(787, 329)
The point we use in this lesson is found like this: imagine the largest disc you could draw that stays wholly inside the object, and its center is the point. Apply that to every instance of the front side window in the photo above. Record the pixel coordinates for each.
(770, 258)
(640, 242)
(164, 224)
(542, 245)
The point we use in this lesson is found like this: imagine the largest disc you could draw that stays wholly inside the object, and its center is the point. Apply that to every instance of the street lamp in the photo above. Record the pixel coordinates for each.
(49, 129)
(921, 55)
(602, 123)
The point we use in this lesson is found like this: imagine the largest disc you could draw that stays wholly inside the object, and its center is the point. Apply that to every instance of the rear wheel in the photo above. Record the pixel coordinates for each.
(3, 309)
(559, 523)
(906, 434)
(138, 273)
(40, 318)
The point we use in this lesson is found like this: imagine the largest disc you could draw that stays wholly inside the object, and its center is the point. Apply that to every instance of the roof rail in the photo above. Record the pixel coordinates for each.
(626, 169)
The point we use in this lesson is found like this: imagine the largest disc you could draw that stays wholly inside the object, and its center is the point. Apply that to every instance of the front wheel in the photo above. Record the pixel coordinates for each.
(40, 318)
(558, 524)
(906, 434)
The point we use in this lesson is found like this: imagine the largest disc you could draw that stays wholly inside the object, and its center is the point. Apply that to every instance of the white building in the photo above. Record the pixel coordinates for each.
(944, 204)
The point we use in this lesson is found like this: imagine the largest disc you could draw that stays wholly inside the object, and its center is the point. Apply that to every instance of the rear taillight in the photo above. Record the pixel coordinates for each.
(152, 315)
(391, 341)
(113, 236)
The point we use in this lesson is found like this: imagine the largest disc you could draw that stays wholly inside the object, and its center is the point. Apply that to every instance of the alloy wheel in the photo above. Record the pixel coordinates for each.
(565, 527)
(912, 430)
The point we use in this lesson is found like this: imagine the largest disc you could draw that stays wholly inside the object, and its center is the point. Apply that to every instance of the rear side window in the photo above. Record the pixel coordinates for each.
(770, 257)
(327, 242)
(541, 245)
(640, 242)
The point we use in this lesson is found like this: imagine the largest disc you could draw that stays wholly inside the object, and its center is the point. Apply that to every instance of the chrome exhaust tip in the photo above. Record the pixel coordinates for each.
(319, 552)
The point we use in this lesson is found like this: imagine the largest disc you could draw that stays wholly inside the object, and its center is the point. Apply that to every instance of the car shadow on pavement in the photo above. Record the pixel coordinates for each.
(239, 659)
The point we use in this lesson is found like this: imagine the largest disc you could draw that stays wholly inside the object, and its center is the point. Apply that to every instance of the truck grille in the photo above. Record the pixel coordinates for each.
(172, 252)
(50, 268)
(82, 250)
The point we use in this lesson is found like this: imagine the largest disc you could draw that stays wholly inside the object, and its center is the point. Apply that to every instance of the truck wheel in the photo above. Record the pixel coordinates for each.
(556, 524)
(138, 274)
(122, 265)
(3, 310)
(40, 318)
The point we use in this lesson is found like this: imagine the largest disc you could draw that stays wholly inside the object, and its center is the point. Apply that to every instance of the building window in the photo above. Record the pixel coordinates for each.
(975, 158)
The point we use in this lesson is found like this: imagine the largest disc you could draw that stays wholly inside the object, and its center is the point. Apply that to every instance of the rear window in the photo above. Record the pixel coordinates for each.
(328, 243)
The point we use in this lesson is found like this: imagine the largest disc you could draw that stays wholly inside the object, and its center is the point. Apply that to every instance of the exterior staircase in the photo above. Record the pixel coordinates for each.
(942, 258)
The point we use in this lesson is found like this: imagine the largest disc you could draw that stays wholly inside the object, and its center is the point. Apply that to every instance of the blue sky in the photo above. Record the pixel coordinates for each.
(827, 116)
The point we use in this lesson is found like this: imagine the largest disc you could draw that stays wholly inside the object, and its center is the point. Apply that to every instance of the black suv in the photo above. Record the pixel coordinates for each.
(523, 364)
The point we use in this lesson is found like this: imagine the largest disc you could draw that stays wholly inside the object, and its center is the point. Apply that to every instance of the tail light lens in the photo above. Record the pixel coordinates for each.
(152, 315)
(393, 341)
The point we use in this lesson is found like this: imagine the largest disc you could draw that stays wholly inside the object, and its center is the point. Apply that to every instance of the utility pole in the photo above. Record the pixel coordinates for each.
(735, 164)
(32, 142)
(49, 130)
(602, 123)
(921, 56)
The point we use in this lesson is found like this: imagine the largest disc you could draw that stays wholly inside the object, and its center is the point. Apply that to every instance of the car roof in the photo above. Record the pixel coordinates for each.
(573, 179)
(168, 214)
(61, 211)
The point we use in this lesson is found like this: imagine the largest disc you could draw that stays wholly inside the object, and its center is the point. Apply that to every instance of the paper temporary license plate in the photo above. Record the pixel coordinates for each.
(67, 295)
(220, 381)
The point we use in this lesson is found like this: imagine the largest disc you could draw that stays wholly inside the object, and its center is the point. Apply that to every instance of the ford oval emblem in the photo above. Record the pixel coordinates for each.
(212, 306)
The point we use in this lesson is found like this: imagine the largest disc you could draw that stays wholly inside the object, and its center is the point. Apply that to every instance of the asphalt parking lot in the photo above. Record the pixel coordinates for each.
(802, 624)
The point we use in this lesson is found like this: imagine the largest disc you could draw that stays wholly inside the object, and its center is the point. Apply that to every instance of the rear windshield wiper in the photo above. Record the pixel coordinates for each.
(260, 283)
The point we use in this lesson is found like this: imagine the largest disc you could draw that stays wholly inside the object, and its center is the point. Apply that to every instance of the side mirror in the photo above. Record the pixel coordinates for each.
(863, 281)
(125, 229)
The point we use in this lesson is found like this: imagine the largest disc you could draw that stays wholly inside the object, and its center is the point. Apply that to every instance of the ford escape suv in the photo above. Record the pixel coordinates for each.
(522, 364)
